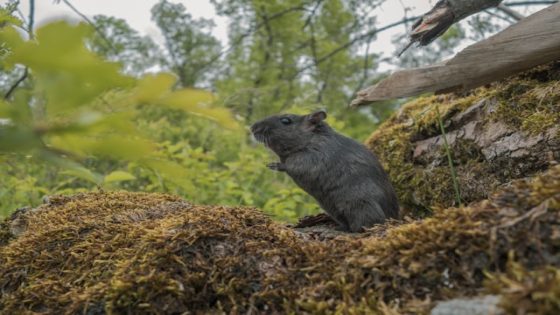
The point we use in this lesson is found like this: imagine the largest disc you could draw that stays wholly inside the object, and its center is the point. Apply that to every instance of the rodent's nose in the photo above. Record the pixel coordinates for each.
(256, 128)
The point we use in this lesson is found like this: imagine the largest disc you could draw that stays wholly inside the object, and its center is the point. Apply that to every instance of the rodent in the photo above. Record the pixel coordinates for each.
(344, 177)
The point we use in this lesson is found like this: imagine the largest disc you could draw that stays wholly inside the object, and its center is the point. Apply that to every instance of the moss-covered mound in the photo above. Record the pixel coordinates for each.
(134, 253)
(505, 131)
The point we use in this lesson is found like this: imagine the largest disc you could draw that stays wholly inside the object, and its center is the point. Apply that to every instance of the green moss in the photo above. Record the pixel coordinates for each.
(526, 291)
(530, 102)
(5, 234)
(137, 253)
(392, 142)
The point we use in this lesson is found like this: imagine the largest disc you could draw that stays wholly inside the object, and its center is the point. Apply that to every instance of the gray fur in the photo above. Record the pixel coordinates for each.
(341, 174)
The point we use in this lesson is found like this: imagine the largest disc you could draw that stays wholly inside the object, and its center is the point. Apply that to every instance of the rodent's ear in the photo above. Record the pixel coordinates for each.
(317, 117)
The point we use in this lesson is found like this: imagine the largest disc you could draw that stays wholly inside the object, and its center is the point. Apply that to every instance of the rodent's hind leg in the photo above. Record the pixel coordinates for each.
(360, 218)
(341, 224)
(277, 166)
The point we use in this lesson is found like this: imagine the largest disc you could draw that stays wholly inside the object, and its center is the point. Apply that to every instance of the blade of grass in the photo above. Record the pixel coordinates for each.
(450, 160)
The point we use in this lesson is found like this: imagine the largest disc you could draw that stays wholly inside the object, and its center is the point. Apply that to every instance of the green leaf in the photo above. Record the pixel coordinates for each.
(112, 146)
(17, 139)
(172, 172)
(6, 18)
(197, 102)
(65, 70)
(153, 87)
(82, 173)
(10, 39)
(118, 176)
(5, 110)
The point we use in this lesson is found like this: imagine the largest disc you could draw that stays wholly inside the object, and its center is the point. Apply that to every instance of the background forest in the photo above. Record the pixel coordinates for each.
(96, 105)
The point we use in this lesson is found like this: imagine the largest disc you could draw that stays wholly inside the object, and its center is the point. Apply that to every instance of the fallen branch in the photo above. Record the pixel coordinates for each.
(531, 42)
(440, 18)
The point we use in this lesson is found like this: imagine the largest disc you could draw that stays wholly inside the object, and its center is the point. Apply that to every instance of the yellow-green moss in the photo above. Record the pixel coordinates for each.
(122, 253)
(392, 142)
(530, 102)
(526, 291)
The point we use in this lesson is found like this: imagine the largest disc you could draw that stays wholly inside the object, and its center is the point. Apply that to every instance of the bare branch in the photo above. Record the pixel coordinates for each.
(527, 3)
(90, 22)
(16, 84)
(30, 23)
(251, 30)
(355, 40)
(505, 18)
(510, 12)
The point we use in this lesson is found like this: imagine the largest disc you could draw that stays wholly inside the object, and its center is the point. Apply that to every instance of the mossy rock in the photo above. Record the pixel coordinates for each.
(137, 253)
(498, 133)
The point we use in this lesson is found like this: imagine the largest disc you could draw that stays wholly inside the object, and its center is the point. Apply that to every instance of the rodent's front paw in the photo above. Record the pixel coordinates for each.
(276, 166)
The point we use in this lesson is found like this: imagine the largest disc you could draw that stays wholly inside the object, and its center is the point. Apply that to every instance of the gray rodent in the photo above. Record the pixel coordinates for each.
(340, 173)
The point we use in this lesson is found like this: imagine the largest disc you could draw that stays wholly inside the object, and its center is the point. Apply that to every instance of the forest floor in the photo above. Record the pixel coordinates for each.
(491, 231)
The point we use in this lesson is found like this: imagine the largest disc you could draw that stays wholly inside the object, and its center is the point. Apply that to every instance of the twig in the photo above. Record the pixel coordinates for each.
(312, 14)
(31, 18)
(504, 18)
(355, 40)
(525, 3)
(90, 22)
(510, 12)
(532, 214)
(16, 84)
(251, 30)
(30, 24)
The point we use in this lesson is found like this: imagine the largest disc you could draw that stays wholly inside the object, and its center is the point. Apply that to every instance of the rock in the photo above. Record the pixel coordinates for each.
(484, 305)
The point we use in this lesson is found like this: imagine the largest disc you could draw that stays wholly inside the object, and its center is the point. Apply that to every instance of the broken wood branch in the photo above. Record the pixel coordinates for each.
(440, 18)
(533, 41)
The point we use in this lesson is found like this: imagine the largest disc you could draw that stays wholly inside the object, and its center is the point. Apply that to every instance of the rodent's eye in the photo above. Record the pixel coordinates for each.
(285, 120)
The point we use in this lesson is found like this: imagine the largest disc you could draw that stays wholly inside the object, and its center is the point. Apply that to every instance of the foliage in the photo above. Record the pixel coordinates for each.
(190, 47)
(116, 41)
(82, 109)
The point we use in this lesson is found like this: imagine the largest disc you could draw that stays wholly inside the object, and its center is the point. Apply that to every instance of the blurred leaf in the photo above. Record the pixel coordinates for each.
(152, 87)
(95, 123)
(118, 176)
(5, 110)
(196, 102)
(10, 38)
(83, 173)
(187, 99)
(172, 172)
(17, 139)
(113, 146)
(66, 71)
(6, 18)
